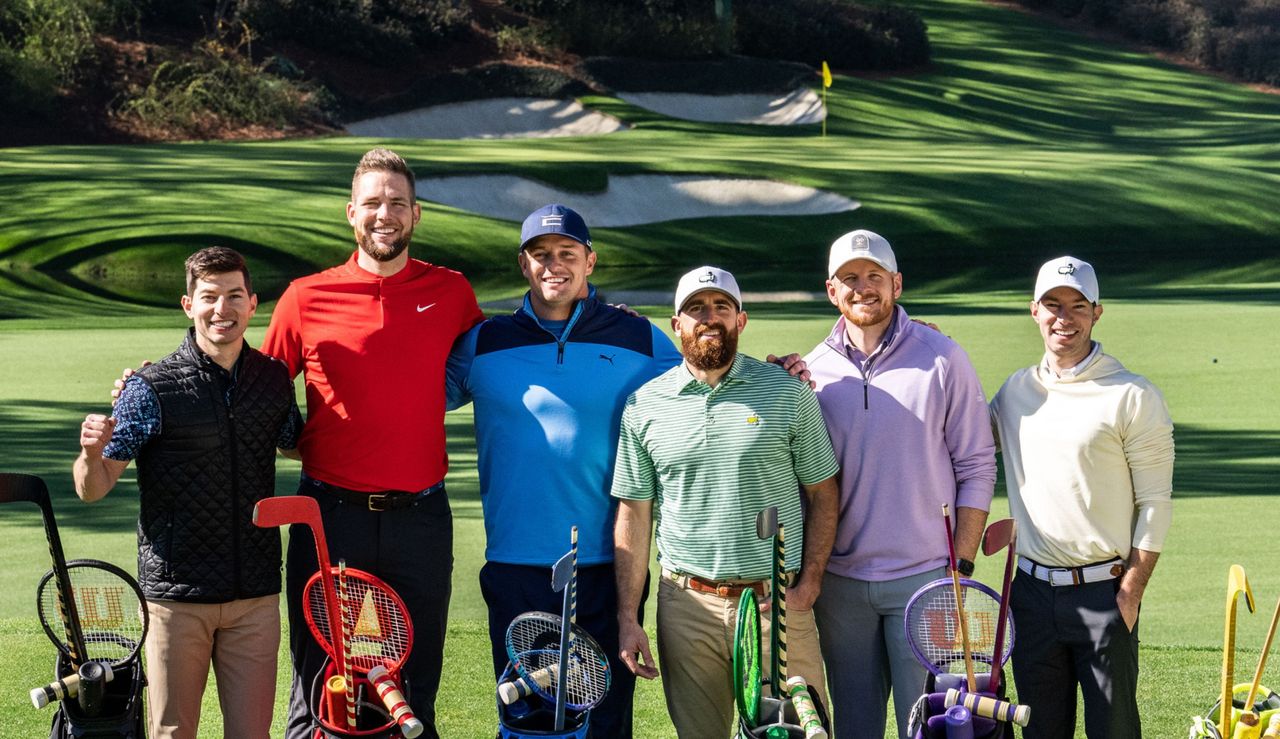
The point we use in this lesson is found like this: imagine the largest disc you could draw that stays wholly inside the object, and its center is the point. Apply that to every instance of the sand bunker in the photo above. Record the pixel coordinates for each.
(800, 106)
(632, 200)
(497, 118)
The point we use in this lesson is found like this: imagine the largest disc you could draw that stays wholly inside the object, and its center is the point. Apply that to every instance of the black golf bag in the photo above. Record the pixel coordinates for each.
(121, 715)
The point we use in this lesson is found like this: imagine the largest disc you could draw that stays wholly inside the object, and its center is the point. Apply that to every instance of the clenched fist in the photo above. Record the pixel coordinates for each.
(95, 432)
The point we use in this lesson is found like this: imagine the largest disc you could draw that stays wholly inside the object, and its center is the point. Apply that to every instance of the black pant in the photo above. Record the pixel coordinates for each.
(411, 549)
(510, 590)
(1069, 635)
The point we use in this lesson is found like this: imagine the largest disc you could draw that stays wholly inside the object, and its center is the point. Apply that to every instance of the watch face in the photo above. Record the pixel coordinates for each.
(965, 567)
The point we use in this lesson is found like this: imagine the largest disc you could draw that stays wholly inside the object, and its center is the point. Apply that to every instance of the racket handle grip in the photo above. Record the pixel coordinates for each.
(806, 712)
(335, 695)
(959, 723)
(395, 702)
(514, 690)
(1247, 726)
(67, 687)
(1273, 728)
(988, 707)
(93, 682)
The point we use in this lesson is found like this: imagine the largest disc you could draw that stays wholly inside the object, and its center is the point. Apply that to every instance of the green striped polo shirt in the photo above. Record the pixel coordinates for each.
(712, 458)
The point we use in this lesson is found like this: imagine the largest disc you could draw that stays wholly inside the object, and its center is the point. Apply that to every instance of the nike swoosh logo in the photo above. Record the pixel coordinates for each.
(424, 307)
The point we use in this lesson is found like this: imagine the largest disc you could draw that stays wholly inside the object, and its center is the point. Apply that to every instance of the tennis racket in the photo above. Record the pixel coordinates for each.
(533, 645)
(111, 614)
(746, 659)
(933, 630)
(31, 489)
(377, 621)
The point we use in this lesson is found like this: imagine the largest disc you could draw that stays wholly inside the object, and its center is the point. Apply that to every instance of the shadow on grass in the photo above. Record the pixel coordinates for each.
(1224, 462)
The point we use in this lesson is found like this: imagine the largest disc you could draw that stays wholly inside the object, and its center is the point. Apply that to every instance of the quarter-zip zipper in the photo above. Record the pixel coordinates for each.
(235, 481)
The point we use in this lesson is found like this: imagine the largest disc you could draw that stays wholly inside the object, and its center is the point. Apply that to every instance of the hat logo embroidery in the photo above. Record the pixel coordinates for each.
(1067, 269)
(860, 241)
(708, 277)
(553, 220)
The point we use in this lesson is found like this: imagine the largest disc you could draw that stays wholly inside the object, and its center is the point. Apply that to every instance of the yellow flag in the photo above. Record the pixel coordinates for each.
(826, 75)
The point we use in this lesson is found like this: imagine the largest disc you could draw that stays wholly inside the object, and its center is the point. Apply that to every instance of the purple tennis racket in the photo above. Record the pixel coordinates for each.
(933, 627)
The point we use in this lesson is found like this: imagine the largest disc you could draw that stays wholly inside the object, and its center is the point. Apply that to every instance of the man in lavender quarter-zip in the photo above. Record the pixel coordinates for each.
(910, 426)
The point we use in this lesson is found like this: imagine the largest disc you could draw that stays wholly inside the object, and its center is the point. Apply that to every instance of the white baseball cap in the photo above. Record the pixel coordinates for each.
(861, 244)
(707, 278)
(1067, 272)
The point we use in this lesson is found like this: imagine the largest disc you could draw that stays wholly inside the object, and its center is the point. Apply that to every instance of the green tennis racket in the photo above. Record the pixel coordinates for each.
(746, 658)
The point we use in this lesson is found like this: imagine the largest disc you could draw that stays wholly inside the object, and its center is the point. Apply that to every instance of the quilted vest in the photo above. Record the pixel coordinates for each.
(200, 478)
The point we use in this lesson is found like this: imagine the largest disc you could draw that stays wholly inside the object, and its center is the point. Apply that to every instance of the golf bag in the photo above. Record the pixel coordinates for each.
(777, 715)
(928, 715)
(373, 720)
(1266, 705)
(533, 717)
(121, 715)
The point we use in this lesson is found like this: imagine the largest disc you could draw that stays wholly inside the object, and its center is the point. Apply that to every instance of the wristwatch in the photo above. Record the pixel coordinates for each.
(964, 567)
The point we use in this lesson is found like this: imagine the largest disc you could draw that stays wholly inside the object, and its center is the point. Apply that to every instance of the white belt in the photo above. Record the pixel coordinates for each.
(1059, 576)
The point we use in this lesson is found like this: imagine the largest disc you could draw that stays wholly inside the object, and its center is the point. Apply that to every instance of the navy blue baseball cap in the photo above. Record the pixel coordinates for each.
(555, 219)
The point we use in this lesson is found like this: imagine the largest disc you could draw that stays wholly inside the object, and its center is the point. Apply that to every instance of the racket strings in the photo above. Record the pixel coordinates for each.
(934, 628)
(533, 641)
(377, 626)
(109, 609)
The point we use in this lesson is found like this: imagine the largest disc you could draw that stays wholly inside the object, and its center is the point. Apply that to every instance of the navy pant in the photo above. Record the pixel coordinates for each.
(411, 549)
(510, 590)
(1074, 635)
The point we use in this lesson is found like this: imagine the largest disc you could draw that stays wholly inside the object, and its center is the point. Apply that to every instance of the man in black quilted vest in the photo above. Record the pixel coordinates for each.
(204, 424)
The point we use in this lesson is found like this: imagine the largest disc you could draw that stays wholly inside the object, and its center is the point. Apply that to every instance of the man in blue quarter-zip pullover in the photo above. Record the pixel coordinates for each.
(548, 383)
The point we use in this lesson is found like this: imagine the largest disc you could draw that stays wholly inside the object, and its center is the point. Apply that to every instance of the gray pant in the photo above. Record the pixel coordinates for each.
(864, 645)
(1069, 635)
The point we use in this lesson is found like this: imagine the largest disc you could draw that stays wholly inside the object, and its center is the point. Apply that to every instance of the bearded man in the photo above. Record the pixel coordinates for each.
(910, 426)
(371, 338)
(705, 446)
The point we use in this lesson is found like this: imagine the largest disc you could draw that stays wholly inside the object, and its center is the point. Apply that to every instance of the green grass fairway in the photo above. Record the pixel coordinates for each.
(1021, 142)
(1227, 444)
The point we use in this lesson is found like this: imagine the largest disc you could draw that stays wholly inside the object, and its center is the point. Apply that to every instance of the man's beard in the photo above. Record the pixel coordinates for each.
(859, 317)
(709, 355)
(384, 253)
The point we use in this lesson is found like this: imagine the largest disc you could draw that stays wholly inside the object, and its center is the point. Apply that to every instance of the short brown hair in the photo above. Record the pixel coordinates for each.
(383, 160)
(216, 260)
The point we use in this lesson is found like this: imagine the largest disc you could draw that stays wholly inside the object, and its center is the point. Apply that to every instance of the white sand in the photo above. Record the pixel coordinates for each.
(496, 118)
(632, 200)
(797, 107)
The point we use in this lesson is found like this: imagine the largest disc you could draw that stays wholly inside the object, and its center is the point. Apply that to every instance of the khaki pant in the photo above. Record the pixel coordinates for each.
(695, 653)
(241, 638)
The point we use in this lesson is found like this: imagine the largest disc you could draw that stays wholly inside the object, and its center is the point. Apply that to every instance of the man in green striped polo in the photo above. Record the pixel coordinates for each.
(704, 447)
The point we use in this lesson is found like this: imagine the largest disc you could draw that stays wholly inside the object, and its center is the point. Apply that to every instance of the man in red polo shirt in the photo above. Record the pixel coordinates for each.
(371, 337)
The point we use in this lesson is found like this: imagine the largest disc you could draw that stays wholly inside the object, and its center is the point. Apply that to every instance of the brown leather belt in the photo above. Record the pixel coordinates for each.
(722, 589)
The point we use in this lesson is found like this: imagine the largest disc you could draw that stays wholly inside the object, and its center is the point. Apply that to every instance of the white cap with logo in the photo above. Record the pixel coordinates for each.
(707, 278)
(861, 244)
(1067, 272)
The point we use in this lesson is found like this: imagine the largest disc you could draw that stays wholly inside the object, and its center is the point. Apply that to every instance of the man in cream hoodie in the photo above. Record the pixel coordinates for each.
(1088, 452)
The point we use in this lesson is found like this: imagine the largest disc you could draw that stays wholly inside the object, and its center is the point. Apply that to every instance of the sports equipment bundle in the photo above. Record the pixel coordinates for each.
(557, 672)
(960, 630)
(363, 626)
(787, 708)
(94, 614)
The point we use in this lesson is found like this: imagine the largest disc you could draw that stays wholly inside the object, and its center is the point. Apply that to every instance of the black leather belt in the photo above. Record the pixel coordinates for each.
(387, 500)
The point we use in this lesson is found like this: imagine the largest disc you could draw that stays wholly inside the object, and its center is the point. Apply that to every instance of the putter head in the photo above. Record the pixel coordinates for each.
(17, 488)
(998, 536)
(1238, 582)
(767, 522)
(285, 510)
(562, 572)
